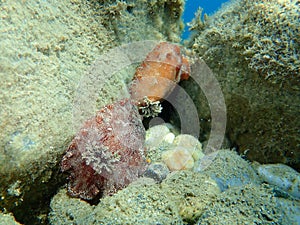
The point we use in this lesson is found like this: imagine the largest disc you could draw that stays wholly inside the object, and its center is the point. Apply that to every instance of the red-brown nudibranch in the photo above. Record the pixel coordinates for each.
(157, 76)
(108, 152)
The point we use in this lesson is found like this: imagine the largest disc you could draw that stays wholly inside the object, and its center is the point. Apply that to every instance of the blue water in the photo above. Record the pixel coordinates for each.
(191, 6)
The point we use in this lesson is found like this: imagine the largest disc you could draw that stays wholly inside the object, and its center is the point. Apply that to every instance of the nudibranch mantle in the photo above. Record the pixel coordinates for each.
(157, 76)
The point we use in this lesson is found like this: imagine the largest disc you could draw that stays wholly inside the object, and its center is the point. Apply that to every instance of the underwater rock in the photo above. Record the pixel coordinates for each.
(250, 204)
(191, 144)
(228, 169)
(40, 73)
(109, 147)
(140, 20)
(157, 171)
(159, 139)
(193, 193)
(291, 208)
(141, 204)
(253, 49)
(184, 152)
(282, 176)
(178, 158)
(157, 135)
(8, 219)
(177, 152)
(271, 48)
(107, 153)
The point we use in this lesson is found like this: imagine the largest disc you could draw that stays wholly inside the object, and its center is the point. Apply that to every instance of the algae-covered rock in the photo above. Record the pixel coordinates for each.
(192, 193)
(7, 219)
(249, 204)
(269, 43)
(71, 209)
(142, 202)
(184, 197)
(291, 209)
(282, 176)
(253, 49)
(47, 49)
(142, 20)
(228, 169)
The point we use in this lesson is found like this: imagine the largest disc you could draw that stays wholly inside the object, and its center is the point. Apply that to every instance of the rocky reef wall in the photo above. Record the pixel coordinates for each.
(46, 49)
(253, 49)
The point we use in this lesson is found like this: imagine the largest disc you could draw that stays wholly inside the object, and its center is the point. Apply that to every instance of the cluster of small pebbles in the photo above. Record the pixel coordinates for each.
(177, 152)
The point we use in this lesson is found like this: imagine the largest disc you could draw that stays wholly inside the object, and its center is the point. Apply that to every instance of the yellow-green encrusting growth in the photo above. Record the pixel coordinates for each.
(253, 49)
(265, 33)
(46, 49)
